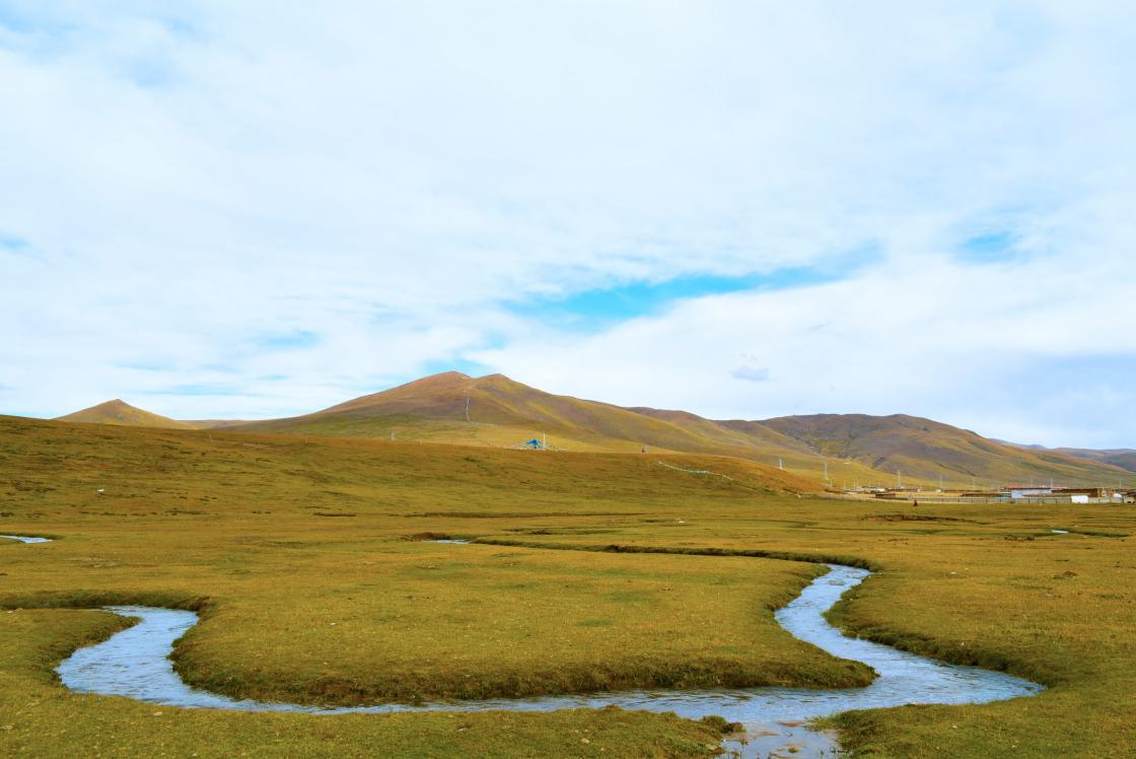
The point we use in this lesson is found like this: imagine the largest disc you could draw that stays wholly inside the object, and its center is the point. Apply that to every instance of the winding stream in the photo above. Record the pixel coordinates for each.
(135, 663)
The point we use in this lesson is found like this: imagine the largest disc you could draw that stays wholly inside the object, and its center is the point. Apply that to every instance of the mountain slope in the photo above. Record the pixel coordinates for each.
(843, 449)
(495, 410)
(1125, 458)
(926, 449)
(120, 413)
(854, 448)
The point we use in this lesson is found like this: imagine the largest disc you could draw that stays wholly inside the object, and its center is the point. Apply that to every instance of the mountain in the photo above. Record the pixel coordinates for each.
(1125, 458)
(842, 449)
(123, 414)
(846, 448)
(497, 410)
(926, 449)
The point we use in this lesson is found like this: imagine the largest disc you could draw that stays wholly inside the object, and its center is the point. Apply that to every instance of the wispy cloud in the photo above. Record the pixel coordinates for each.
(751, 373)
(299, 339)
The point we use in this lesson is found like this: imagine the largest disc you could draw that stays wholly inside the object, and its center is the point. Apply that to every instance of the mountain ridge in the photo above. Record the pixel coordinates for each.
(495, 410)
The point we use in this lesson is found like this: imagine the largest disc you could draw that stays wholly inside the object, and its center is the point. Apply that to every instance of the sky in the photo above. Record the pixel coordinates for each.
(742, 209)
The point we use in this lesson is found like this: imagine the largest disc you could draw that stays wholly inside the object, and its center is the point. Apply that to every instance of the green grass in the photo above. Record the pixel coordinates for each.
(988, 586)
(310, 609)
(372, 620)
(230, 524)
(38, 718)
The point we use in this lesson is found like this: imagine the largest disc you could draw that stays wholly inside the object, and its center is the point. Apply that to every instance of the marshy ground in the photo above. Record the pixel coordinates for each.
(299, 555)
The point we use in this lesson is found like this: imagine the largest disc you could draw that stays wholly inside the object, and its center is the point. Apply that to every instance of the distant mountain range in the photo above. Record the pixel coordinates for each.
(844, 449)
(1125, 458)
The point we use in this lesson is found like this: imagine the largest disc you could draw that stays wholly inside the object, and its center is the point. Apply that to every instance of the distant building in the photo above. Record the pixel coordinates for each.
(1058, 494)
(1018, 493)
(1087, 492)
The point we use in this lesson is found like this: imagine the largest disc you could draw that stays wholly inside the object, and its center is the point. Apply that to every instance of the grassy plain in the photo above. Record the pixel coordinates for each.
(39, 718)
(275, 539)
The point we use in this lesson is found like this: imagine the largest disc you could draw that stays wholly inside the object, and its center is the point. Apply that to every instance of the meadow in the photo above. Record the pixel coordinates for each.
(307, 560)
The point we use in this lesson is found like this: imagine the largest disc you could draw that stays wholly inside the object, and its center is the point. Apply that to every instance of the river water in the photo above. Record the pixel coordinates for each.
(135, 663)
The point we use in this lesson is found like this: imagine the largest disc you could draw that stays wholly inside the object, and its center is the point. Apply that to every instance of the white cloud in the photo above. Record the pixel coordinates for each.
(386, 177)
(937, 339)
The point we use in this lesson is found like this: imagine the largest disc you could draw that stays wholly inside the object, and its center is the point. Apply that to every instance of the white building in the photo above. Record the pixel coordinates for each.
(1019, 493)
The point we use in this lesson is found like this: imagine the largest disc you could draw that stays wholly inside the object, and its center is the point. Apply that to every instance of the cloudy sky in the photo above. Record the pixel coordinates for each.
(744, 209)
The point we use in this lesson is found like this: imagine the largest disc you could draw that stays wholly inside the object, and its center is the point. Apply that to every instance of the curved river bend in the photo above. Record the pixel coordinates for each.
(135, 663)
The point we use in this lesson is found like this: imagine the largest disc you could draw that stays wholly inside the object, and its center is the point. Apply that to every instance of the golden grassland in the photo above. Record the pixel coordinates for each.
(306, 614)
(275, 539)
(38, 718)
(564, 437)
(988, 586)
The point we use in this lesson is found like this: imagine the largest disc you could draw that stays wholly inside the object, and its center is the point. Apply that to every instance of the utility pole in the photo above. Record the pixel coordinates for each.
(467, 408)
(898, 480)
(780, 464)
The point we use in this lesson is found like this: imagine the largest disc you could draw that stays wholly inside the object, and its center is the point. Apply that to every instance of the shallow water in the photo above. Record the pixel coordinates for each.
(26, 539)
(135, 663)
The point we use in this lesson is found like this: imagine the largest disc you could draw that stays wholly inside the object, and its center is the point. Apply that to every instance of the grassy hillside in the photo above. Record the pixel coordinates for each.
(120, 413)
(854, 448)
(497, 411)
(453, 400)
(839, 450)
(1125, 458)
(926, 450)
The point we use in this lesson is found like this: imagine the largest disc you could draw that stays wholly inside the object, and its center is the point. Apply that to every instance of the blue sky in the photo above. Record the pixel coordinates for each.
(989, 247)
(741, 209)
(589, 310)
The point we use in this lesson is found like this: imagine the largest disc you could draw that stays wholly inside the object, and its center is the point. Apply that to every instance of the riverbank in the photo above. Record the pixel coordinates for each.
(135, 663)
